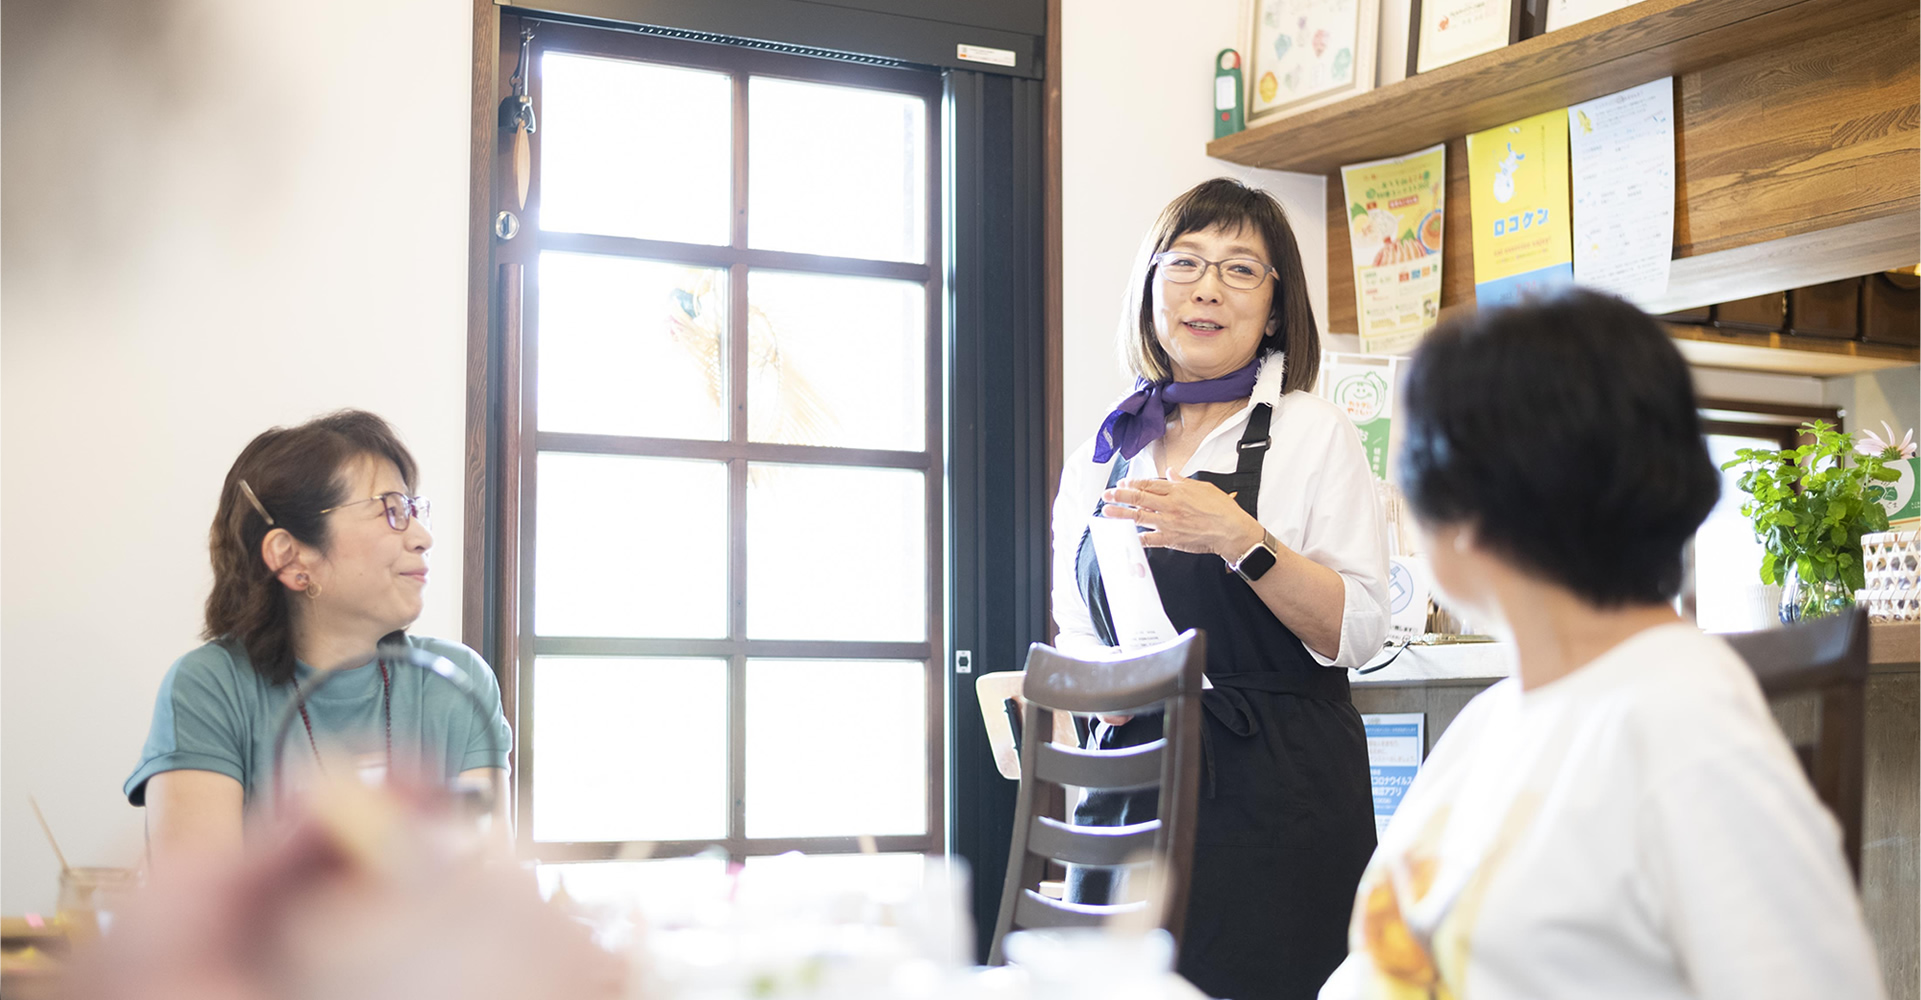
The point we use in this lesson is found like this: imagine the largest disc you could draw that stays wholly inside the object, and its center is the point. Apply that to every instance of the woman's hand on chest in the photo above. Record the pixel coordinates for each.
(1188, 515)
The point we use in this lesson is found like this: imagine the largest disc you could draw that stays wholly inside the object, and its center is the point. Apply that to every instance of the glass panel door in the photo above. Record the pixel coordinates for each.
(731, 493)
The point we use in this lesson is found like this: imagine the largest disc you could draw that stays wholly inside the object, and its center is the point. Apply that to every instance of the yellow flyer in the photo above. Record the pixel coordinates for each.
(1518, 193)
(1394, 214)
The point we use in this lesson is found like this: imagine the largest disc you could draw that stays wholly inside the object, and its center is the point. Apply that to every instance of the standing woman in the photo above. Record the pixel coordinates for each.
(319, 550)
(1263, 530)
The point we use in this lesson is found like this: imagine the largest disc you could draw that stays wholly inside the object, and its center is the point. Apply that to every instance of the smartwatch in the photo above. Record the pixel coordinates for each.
(1255, 562)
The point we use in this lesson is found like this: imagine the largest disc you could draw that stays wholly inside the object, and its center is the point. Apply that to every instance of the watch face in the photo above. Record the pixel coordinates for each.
(1256, 563)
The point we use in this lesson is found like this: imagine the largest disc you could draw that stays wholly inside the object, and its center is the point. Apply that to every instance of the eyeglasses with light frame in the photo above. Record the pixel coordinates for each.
(401, 508)
(1183, 268)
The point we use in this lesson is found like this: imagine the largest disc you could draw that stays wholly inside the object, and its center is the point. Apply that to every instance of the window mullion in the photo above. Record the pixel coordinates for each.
(737, 483)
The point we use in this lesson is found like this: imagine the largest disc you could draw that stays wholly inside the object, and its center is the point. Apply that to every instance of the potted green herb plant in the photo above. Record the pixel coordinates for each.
(1810, 507)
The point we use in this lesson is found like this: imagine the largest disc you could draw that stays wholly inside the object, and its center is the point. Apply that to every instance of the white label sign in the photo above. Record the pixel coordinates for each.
(983, 54)
(1408, 588)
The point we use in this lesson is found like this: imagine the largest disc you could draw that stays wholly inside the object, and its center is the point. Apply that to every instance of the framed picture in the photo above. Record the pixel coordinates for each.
(1306, 53)
(1447, 31)
(1561, 13)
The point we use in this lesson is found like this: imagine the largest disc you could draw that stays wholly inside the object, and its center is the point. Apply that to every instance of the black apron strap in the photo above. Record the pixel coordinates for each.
(1113, 480)
(1087, 571)
(1245, 482)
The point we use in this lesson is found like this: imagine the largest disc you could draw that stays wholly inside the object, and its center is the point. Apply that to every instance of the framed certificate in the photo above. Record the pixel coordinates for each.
(1447, 31)
(1306, 53)
(1561, 13)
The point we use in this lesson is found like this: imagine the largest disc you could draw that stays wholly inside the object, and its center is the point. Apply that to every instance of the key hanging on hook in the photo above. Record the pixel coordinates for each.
(517, 113)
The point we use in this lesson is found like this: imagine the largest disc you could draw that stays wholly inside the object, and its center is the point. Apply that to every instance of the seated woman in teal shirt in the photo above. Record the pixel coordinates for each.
(319, 550)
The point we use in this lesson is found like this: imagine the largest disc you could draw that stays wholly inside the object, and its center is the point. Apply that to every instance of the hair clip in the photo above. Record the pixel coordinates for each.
(247, 491)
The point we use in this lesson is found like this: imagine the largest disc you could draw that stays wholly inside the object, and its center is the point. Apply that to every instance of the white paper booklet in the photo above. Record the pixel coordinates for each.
(1132, 598)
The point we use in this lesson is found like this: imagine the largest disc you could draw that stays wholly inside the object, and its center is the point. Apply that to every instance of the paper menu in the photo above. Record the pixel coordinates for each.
(1621, 150)
(1395, 221)
(1133, 599)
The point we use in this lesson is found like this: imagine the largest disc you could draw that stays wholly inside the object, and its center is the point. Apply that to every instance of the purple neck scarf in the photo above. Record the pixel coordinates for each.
(1142, 416)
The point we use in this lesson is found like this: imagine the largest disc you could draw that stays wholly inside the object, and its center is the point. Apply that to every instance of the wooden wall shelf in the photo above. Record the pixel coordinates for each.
(1782, 354)
(1629, 47)
(1797, 146)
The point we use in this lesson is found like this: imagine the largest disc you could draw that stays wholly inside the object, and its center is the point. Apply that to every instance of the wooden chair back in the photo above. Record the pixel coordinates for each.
(1826, 658)
(1165, 679)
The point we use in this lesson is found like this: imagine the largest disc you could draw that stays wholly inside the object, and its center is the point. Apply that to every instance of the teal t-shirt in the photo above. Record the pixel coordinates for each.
(216, 713)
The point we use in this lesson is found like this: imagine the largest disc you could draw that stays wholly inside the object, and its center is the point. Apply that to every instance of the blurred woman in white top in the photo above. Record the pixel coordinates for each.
(1621, 818)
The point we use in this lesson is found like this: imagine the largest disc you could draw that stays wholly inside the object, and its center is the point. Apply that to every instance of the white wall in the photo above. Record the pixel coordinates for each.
(219, 215)
(1137, 81)
(1759, 387)
(1892, 395)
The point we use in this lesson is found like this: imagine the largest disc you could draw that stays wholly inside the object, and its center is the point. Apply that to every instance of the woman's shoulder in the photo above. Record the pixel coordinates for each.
(1305, 411)
(460, 655)
(1688, 700)
(1677, 668)
(1080, 474)
(1084, 455)
(221, 663)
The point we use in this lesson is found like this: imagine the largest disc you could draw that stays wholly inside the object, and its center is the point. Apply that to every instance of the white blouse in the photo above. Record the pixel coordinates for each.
(1317, 498)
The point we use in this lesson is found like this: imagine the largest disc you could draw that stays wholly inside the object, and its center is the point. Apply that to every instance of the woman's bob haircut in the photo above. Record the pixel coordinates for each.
(1564, 432)
(1234, 207)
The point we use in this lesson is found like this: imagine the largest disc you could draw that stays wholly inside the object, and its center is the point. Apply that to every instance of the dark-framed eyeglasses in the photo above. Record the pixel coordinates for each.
(401, 509)
(1183, 268)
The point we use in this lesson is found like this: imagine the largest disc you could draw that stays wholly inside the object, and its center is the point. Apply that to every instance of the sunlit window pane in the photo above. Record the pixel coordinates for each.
(667, 891)
(836, 748)
(836, 170)
(632, 347)
(635, 149)
(1728, 593)
(836, 553)
(829, 876)
(630, 749)
(632, 547)
(836, 361)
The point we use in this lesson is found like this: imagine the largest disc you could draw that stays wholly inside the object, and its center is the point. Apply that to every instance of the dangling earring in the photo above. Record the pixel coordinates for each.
(313, 589)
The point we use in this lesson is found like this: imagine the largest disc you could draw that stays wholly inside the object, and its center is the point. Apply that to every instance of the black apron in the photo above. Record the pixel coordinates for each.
(1286, 820)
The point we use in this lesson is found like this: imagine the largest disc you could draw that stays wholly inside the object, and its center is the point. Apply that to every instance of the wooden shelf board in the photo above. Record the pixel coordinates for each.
(1862, 247)
(1631, 46)
(1894, 642)
(1779, 353)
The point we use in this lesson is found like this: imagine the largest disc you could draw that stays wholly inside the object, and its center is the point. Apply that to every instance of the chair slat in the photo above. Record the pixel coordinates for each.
(1131, 767)
(1091, 845)
(1035, 910)
(1120, 685)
